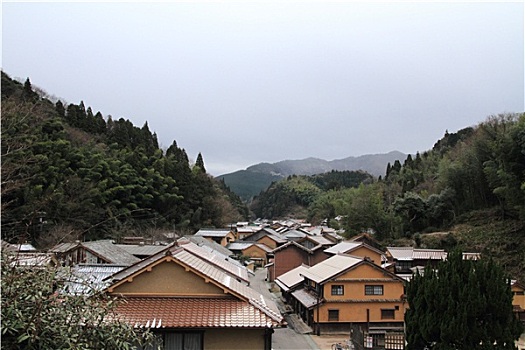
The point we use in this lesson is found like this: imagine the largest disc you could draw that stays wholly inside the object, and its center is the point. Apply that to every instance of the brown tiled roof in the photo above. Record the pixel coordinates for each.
(170, 312)
(201, 266)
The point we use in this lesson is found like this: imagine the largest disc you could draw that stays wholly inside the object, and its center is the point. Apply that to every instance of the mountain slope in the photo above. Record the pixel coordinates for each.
(256, 178)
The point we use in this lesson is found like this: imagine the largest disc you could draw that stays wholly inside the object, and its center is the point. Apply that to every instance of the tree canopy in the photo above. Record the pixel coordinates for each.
(461, 305)
(38, 313)
(70, 172)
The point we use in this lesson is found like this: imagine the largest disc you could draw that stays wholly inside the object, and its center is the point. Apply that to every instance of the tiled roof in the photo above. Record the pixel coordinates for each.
(212, 272)
(330, 267)
(171, 312)
(223, 262)
(254, 297)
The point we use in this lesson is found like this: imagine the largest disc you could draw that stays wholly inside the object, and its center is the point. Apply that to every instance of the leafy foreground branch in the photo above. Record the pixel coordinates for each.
(38, 313)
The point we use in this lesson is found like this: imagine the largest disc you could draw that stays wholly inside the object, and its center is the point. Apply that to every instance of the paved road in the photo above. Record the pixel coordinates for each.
(283, 338)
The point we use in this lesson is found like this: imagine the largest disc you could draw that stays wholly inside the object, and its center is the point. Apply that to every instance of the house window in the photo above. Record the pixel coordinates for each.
(403, 265)
(333, 315)
(388, 314)
(183, 341)
(373, 290)
(338, 290)
(518, 293)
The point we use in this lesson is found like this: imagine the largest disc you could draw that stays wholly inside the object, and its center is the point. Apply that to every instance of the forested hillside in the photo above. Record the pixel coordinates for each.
(71, 173)
(469, 188)
(292, 196)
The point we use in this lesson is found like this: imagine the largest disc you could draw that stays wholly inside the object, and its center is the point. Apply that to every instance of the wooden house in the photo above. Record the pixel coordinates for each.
(358, 249)
(220, 236)
(406, 258)
(92, 252)
(308, 251)
(344, 292)
(268, 237)
(518, 299)
(257, 252)
(192, 303)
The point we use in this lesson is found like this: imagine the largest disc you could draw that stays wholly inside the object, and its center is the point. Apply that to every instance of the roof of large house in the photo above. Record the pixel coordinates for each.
(226, 263)
(215, 275)
(167, 312)
(330, 267)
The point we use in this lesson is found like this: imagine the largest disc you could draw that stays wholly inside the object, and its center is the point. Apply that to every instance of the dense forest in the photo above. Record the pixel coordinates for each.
(468, 191)
(71, 173)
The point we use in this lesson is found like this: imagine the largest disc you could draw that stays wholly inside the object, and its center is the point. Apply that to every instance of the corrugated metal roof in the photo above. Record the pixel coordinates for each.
(429, 254)
(33, 259)
(169, 312)
(293, 277)
(330, 267)
(305, 298)
(410, 253)
(90, 278)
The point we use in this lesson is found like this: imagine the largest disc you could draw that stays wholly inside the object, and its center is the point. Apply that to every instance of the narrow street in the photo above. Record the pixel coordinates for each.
(283, 338)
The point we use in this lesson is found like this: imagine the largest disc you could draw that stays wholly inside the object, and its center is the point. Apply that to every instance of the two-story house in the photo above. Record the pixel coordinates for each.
(194, 302)
(345, 292)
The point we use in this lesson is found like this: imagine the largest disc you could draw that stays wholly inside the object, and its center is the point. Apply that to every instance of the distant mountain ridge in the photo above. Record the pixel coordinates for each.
(250, 182)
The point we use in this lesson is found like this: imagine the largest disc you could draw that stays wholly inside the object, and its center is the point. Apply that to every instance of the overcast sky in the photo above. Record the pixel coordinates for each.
(251, 82)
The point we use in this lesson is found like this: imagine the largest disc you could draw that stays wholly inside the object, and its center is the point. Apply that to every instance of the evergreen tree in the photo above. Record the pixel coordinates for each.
(463, 305)
(200, 163)
(28, 93)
